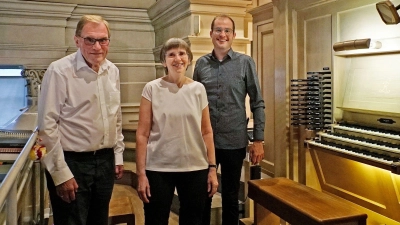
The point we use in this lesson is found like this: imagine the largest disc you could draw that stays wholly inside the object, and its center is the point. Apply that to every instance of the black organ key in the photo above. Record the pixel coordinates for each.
(305, 80)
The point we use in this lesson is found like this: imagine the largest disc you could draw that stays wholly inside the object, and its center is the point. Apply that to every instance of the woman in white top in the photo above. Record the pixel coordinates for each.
(175, 147)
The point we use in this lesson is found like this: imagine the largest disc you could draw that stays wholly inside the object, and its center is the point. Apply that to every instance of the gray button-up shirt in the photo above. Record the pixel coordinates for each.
(227, 83)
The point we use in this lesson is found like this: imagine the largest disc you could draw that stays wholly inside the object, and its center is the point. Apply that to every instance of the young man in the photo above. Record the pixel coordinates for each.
(79, 120)
(228, 77)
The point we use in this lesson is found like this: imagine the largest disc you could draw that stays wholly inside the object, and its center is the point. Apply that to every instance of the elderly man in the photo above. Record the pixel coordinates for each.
(79, 120)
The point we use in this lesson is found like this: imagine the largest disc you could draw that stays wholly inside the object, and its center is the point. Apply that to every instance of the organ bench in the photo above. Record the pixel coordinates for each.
(298, 204)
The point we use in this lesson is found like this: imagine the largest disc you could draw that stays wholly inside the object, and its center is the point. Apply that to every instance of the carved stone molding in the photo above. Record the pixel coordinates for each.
(34, 78)
(262, 13)
(21, 47)
(230, 7)
(109, 3)
(121, 19)
(34, 13)
(166, 12)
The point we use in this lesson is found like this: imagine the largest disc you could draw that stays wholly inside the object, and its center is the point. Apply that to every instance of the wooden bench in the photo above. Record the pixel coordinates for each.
(121, 211)
(298, 204)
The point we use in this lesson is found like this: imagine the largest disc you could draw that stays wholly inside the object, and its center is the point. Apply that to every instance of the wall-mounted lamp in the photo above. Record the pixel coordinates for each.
(388, 12)
(196, 25)
(356, 44)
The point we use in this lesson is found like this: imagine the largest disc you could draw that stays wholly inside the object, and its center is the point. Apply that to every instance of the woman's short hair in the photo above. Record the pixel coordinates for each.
(90, 18)
(173, 43)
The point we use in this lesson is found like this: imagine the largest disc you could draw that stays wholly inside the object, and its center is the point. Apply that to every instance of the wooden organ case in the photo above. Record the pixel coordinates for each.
(353, 116)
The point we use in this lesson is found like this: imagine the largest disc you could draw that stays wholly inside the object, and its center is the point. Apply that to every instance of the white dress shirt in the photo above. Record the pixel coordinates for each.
(80, 111)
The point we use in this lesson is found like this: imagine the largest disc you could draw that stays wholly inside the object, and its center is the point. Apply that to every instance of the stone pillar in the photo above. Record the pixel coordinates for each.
(191, 20)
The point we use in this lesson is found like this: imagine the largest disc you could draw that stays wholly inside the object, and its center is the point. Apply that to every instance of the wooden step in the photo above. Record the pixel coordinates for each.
(246, 221)
(121, 211)
(130, 145)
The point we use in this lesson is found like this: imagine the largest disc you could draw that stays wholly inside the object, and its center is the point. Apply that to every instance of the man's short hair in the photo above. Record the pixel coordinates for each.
(223, 16)
(90, 18)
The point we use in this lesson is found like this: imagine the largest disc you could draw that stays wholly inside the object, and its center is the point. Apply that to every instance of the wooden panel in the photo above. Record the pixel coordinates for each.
(318, 44)
(375, 189)
(264, 216)
(266, 70)
(263, 52)
(281, 74)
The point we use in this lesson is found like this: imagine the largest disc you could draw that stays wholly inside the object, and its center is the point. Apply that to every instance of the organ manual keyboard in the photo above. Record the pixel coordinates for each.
(369, 145)
(12, 142)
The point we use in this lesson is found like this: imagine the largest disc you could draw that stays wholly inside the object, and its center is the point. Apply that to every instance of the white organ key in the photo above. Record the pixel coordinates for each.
(370, 145)
(384, 161)
(395, 137)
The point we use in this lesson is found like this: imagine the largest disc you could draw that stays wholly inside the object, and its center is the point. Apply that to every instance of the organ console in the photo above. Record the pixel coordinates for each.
(354, 120)
(376, 144)
(363, 136)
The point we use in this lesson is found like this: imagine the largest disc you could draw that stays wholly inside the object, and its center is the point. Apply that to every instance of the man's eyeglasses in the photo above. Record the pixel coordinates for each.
(92, 41)
(218, 30)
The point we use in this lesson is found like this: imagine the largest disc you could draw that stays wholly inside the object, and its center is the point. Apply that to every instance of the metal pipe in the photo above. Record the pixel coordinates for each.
(41, 180)
(34, 191)
(9, 185)
(15, 169)
(24, 179)
(12, 202)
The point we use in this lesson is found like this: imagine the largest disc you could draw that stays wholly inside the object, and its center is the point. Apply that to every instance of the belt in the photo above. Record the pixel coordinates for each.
(102, 151)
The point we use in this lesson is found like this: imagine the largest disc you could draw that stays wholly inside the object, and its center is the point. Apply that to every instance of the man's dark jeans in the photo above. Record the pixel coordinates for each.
(94, 174)
(231, 162)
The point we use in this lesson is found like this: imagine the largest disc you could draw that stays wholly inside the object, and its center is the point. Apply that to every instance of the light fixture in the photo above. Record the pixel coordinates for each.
(196, 24)
(388, 12)
(352, 44)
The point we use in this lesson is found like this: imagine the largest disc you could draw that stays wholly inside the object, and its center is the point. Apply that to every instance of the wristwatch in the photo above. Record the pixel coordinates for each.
(212, 166)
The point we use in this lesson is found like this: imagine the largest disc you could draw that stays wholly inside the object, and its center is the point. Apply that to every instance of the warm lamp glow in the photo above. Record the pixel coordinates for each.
(375, 45)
